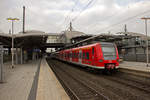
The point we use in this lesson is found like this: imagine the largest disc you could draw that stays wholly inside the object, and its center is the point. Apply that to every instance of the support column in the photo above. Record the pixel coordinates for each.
(21, 56)
(16, 55)
(33, 55)
(135, 55)
(25, 56)
(9, 51)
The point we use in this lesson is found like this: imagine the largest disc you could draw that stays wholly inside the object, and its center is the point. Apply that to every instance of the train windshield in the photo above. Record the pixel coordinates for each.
(109, 52)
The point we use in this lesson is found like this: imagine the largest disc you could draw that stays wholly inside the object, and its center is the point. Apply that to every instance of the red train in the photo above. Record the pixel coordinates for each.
(100, 55)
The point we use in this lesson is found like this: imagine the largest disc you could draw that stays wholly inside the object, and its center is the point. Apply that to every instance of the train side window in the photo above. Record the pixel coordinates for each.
(83, 55)
(93, 50)
(87, 55)
(73, 55)
(76, 55)
(70, 55)
(80, 55)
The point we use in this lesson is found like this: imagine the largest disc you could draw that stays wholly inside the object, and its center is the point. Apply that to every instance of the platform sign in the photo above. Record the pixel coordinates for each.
(1, 63)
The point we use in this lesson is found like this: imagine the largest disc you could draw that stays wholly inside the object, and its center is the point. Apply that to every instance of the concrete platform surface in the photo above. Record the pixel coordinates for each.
(18, 81)
(139, 66)
(49, 87)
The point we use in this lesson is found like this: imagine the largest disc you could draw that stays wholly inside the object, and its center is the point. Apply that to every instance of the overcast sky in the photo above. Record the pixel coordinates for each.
(88, 16)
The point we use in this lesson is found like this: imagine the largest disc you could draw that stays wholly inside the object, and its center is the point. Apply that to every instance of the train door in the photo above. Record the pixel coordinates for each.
(80, 56)
(70, 56)
(93, 58)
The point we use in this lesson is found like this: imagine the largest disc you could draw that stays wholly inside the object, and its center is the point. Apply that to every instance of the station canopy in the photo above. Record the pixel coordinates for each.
(29, 39)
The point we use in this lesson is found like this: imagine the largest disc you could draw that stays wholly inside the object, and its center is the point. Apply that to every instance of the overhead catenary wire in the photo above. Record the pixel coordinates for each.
(78, 15)
(109, 26)
(69, 13)
(84, 8)
(125, 20)
(113, 15)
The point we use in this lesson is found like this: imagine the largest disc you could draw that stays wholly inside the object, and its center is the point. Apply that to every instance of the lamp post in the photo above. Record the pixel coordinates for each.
(147, 57)
(12, 20)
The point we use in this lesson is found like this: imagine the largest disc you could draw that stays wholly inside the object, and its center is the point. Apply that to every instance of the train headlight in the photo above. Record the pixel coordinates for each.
(100, 60)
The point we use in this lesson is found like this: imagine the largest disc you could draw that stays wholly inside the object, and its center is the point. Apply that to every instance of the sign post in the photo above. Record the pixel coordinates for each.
(1, 64)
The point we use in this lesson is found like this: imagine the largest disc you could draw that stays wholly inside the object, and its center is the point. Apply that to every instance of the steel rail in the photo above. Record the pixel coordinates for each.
(64, 84)
(130, 85)
(85, 85)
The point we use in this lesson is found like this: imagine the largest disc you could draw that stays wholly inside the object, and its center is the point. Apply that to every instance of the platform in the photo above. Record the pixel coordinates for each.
(18, 81)
(49, 87)
(137, 66)
(32, 81)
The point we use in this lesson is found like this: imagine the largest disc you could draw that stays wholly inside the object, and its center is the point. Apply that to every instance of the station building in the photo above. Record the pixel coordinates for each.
(66, 36)
(133, 48)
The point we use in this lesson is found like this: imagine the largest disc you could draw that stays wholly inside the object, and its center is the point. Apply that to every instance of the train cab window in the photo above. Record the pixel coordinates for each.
(93, 50)
(87, 55)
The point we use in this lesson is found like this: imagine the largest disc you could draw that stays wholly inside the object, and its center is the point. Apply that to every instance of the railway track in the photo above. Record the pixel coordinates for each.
(79, 89)
(131, 83)
(117, 87)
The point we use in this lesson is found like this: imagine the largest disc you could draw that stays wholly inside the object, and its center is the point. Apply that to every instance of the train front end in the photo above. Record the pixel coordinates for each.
(109, 56)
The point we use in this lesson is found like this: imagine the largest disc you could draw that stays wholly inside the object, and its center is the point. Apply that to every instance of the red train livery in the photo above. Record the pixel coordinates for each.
(100, 55)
